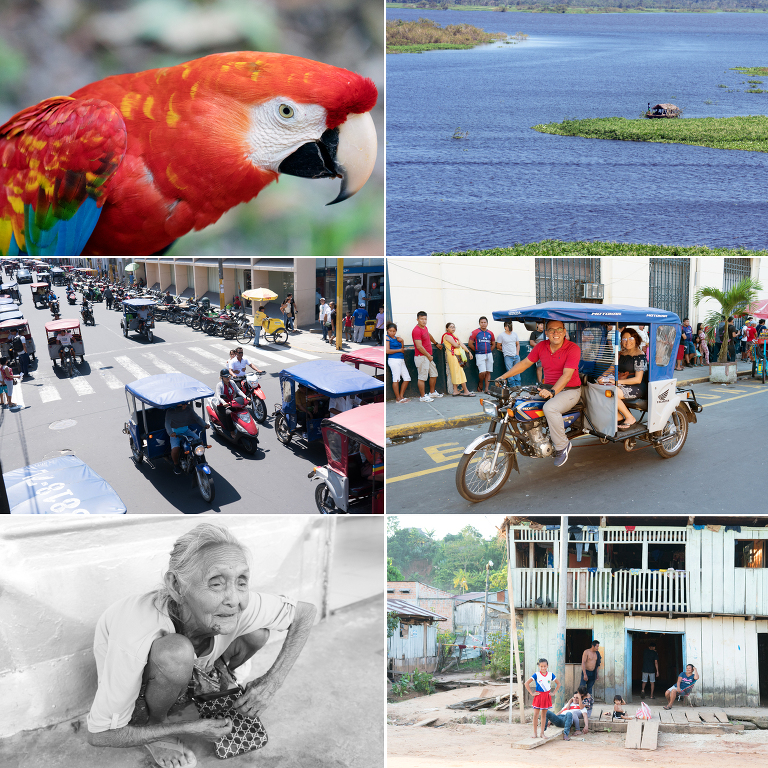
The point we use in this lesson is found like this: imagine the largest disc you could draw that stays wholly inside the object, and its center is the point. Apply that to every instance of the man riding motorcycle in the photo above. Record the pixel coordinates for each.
(562, 387)
(86, 311)
(226, 392)
(65, 339)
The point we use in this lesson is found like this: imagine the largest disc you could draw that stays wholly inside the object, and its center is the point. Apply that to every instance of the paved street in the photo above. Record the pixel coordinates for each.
(85, 415)
(720, 470)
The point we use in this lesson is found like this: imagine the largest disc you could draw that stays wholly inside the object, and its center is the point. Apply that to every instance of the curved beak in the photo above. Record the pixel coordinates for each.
(347, 152)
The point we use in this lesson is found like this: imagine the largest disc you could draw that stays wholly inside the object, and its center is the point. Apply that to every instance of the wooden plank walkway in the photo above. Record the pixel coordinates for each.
(634, 734)
(551, 734)
(650, 735)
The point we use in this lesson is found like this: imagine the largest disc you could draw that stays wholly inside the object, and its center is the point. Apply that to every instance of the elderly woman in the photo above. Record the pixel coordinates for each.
(633, 367)
(156, 649)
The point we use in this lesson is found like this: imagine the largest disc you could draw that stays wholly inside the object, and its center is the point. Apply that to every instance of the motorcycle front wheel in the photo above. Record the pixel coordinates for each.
(138, 454)
(259, 410)
(248, 444)
(205, 486)
(674, 434)
(325, 503)
(150, 337)
(475, 480)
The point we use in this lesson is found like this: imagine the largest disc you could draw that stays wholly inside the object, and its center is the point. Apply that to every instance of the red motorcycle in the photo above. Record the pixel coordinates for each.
(246, 431)
(256, 398)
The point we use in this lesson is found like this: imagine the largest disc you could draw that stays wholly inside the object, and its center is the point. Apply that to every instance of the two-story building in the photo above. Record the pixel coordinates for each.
(698, 591)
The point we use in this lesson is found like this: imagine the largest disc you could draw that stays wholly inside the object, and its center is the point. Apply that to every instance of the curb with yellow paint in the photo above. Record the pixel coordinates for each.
(470, 420)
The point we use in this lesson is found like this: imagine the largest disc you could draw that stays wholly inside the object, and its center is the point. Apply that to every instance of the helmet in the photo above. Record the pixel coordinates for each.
(224, 373)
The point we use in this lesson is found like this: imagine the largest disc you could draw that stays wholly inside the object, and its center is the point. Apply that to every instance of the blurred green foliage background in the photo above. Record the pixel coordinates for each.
(53, 47)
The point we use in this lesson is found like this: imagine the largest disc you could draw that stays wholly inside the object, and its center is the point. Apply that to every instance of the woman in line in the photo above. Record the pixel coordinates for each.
(396, 360)
(633, 367)
(154, 650)
(454, 369)
(701, 340)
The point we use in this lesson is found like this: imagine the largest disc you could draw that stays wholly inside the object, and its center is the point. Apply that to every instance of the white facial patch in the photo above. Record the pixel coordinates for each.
(279, 127)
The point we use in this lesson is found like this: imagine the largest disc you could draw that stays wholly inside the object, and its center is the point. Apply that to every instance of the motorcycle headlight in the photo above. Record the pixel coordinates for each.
(200, 450)
(488, 408)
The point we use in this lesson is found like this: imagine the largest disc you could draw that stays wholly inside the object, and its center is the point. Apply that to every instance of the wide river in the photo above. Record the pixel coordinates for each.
(508, 184)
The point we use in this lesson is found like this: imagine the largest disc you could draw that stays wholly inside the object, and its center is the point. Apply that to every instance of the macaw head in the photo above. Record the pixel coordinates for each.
(292, 115)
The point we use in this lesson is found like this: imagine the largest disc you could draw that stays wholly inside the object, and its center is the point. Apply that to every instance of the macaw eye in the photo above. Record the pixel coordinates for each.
(285, 110)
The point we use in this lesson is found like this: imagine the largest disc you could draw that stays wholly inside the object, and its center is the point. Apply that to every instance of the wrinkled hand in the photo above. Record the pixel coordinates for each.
(212, 729)
(257, 697)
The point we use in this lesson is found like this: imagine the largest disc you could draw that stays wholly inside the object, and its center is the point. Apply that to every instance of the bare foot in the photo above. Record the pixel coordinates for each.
(171, 753)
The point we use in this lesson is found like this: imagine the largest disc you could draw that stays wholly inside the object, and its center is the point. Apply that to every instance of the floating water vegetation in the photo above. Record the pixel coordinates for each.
(428, 35)
(583, 248)
(752, 70)
(748, 133)
(755, 90)
(460, 133)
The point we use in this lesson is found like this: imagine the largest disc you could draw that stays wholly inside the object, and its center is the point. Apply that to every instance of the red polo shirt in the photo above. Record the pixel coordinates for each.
(553, 364)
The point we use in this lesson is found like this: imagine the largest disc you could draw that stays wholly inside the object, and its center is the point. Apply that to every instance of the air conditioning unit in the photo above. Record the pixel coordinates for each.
(592, 291)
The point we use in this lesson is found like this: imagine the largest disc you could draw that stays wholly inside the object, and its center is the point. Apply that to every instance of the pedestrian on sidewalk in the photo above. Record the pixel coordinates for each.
(751, 336)
(423, 358)
(396, 360)
(7, 380)
(332, 327)
(380, 326)
(290, 310)
(743, 341)
(360, 316)
(509, 345)
(108, 296)
(19, 345)
(687, 341)
(481, 342)
(701, 336)
(456, 357)
(324, 315)
(347, 326)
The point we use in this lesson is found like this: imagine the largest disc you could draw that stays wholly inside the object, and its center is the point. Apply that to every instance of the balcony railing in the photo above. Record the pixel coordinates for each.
(635, 590)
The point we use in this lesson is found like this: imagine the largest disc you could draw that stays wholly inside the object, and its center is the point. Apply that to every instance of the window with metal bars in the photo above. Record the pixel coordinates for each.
(734, 271)
(564, 280)
(669, 285)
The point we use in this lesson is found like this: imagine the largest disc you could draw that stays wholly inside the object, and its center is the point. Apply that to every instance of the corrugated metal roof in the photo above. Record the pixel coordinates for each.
(480, 596)
(404, 608)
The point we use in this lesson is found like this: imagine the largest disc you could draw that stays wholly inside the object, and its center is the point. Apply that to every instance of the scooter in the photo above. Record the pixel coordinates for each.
(72, 297)
(247, 433)
(257, 400)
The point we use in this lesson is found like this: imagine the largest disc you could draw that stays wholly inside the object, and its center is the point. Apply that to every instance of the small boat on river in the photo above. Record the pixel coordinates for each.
(663, 110)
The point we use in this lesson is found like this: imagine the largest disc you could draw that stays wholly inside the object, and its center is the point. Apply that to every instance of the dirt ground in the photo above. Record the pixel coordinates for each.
(457, 745)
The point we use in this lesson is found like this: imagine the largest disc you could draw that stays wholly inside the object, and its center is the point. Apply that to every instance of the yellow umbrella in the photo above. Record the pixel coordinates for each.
(259, 294)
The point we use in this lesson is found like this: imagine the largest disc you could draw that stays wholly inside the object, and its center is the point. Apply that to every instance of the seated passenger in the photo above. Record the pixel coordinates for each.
(176, 421)
(633, 367)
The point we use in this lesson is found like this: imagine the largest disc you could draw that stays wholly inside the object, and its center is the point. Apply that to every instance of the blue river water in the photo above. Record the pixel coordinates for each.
(508, 184)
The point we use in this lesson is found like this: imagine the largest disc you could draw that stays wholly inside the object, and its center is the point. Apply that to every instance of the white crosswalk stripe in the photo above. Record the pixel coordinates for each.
(260, 351)
(248, 352)
(81, 386)
(49, 393)
(290, 351)
(161, 364)
(131, 367)
(18, 395)
(112, 381)
(220, 359)
(199, 367)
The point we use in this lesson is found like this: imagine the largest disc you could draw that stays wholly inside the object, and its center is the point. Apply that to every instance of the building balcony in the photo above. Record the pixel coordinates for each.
(640, 591)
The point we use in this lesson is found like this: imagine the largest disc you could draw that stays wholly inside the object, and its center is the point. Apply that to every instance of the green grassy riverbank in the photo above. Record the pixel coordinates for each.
(581, 248)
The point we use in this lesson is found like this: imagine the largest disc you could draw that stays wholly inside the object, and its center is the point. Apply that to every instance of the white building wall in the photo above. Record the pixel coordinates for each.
(625, 280)
(57, 576)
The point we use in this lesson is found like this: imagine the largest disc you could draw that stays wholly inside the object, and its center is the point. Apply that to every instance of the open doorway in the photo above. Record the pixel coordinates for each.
(762, 666)
(669, 648)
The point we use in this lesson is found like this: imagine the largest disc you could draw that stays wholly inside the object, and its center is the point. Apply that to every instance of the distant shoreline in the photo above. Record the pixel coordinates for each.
(595, 249)
(746, 133)
(575, 9)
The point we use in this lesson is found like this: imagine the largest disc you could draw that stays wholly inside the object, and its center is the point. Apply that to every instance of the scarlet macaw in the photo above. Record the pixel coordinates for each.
(128, 164)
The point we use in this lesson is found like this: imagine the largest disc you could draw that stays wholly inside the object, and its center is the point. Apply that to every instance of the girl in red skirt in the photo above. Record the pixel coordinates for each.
(542, 698)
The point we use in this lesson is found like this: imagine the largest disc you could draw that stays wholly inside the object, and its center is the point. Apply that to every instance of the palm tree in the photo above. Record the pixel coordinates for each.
(734, 301)
(460, 580)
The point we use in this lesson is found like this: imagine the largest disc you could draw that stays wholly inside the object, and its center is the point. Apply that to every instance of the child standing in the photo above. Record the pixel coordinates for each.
(348, 326)
(618, 712)
(542, 696)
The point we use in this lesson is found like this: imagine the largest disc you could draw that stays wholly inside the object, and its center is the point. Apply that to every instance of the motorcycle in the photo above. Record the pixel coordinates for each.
(67, 359)
(255, 394)
(87, 314)
(55, 311)
(247, 433)
(72, 297)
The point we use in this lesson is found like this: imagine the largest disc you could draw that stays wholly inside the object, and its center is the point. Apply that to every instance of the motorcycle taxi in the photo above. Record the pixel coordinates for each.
(353, 479)
(40, 294)
(10, 291)
(131, 320)
(306, 390)
(8, 330)
(65, 353)
(149, 399)
(518, 425)
(374, 357)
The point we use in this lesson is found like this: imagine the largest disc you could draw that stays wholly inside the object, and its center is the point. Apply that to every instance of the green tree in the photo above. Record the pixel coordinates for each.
(734, 301)
(393, 572)
(460, 581)
(393, 525)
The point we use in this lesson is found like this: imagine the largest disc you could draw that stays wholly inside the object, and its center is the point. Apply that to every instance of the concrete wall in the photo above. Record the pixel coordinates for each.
(59, 574)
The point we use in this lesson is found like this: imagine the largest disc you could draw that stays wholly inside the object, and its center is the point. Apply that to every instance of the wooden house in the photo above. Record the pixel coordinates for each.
(469, 615)
(413, 645)
(700, 593)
